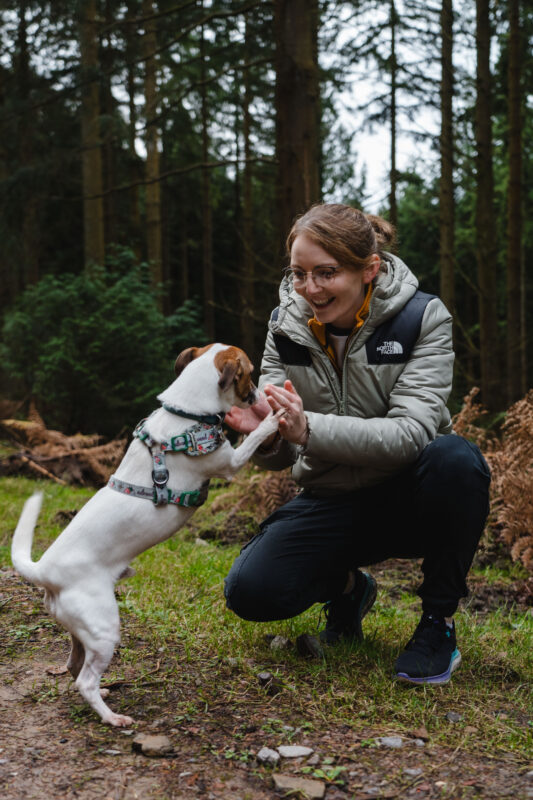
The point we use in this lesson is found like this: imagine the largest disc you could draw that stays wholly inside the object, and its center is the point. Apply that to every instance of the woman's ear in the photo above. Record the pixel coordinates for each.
(369, 273)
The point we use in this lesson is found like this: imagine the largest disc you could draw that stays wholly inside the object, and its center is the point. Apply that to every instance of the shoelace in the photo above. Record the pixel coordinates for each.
(427, 638)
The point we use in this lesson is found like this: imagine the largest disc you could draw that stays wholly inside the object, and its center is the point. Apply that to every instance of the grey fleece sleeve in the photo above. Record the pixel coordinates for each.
(416, 406)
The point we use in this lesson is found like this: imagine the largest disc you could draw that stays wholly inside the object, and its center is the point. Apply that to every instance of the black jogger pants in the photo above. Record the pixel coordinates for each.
(434, 510)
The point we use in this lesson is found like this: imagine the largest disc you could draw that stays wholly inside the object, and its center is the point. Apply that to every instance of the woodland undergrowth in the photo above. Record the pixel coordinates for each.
(509, 454)
(235, 513)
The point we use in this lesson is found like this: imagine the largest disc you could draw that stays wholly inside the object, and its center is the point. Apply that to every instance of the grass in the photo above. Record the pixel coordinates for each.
(173, 610)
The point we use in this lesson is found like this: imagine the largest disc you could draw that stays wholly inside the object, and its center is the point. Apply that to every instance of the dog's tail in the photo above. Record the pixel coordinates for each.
(23, 537)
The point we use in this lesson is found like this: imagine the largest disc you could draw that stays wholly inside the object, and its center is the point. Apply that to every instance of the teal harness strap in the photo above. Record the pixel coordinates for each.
(201, 439)
(198, 440)
(186, 499)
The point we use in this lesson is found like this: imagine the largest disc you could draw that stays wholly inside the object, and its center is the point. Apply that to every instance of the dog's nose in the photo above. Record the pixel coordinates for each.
(252, 397)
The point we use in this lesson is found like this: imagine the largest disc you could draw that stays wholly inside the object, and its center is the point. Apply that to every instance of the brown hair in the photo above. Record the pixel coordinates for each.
(346, 233)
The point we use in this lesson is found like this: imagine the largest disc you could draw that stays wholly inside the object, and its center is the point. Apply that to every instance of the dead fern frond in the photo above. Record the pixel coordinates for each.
(510, 457)
(68, 459)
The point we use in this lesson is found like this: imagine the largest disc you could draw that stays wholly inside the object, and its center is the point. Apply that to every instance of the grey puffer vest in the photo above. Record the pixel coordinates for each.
(390, 400)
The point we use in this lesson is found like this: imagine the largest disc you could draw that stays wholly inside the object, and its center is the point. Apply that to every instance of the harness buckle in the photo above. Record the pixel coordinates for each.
(160, 478)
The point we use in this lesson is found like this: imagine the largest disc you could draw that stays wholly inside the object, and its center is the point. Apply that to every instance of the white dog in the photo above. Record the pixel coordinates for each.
(137, 509)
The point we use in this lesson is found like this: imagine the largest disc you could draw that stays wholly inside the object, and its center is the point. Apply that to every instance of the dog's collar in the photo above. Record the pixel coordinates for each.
(208, 419)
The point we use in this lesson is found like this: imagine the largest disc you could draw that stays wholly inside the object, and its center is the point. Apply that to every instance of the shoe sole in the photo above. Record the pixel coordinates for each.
(434, 680)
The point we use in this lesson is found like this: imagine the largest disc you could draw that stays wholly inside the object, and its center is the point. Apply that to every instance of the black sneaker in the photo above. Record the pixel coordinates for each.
(431, 654)
(344, 614)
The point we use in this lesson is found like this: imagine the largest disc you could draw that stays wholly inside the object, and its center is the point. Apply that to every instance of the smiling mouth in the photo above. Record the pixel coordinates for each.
(324, 303)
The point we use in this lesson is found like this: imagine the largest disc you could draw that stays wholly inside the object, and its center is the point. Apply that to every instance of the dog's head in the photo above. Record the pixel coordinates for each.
(234, 370)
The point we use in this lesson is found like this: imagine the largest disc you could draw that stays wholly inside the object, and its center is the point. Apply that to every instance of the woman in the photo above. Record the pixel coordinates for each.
(361, 363)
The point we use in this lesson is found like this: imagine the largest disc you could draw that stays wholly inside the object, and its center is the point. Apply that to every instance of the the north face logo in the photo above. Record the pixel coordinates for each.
(390, 348)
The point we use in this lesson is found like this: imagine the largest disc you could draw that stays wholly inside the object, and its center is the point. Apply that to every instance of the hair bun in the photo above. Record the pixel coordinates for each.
(384, 230)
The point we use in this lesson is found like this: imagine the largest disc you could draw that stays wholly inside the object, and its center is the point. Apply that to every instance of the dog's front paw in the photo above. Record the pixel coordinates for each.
(269, 425)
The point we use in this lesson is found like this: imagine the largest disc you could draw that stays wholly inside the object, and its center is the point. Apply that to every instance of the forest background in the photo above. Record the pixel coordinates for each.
(153, 157)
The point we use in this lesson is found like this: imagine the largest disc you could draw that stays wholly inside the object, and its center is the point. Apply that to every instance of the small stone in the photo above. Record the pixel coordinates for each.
(470, 729)
(294, 751)
(280, 643)
(4, 761)
(419, 742)
(268, 756)
(201, 542)
(314, 790)
(420, 733)
(309, 647)
(314, 760)
(529, 774)
(391, 741)
(269, 683)
(152, 746)
(112, 752)
(453, 716)
(412, 771)
(440, 784)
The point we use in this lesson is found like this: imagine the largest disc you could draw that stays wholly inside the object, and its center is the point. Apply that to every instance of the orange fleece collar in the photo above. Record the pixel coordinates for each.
(319, 329)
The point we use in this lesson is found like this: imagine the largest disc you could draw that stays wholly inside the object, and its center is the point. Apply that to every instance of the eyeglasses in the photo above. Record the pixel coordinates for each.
(321, 276)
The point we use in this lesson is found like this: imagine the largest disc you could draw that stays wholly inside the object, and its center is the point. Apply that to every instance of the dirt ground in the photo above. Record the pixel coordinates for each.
(52, 745)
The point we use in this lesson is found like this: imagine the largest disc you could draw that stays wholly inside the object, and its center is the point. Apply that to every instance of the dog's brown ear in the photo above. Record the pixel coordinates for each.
(184, 358)
(227, 376)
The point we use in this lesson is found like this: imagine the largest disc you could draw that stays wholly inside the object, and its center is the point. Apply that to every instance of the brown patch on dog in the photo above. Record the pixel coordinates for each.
(235, 367)
(188, 355)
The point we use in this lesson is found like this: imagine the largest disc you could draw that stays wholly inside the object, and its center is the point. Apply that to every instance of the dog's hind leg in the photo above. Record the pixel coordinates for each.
(90, 613)
(76, 657)
(88, 682)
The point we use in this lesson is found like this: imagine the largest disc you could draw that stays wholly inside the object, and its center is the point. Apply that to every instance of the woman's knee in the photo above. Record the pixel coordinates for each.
(453, 460)
(251, 595)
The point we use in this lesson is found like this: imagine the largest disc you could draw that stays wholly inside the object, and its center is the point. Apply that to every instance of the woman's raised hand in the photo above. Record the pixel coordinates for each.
(293, 422)
(246, 420)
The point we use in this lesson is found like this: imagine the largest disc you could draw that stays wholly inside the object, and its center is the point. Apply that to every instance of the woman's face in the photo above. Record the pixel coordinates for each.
(339, 301)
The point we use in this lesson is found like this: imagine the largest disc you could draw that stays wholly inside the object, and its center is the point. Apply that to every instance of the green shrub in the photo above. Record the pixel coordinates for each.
(93, 350)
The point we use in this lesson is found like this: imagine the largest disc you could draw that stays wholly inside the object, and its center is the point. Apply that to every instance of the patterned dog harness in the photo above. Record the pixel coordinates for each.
(201, 439)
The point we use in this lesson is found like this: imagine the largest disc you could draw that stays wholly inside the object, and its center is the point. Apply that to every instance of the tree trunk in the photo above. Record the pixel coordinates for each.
(297, 109)
(109, 144)
(514, 210)
(152, 189)
(93, 205)
(133, 160)
(447, 203)
(247, 284)
(485, 217)
(207, 232)
(393, 138)
(30, 221)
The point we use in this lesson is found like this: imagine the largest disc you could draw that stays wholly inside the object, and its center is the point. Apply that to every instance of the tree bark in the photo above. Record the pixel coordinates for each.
(152, 188)
(485, 217)
(30, 220)
(446, 200)
(247, 283)
(93, 205)
(134, 167)
(515, 343)
(207, 225)
(393, 205)
(297, 109)
(109, 144)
